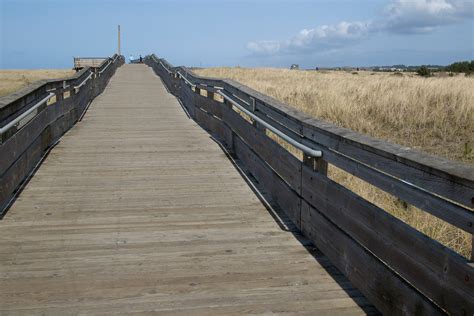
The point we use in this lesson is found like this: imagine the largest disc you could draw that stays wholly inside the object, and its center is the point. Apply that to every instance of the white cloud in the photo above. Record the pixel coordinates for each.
(419, 16)
(400, 16)
(329, 35)
(264, 47)
(322, 37)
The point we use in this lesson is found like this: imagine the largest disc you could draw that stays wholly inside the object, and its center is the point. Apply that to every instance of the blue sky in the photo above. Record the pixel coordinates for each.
(258, 33)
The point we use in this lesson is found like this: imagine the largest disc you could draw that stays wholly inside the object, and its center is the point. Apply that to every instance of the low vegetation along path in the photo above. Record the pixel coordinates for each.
(137, 209)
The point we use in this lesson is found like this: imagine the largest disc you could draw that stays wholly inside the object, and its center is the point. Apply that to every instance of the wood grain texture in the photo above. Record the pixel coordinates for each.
(436, 271)
(391, 294)
(138, 210)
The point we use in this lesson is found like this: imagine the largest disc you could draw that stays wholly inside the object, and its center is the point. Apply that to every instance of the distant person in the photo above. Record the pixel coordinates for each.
(141, 59)
(131, 58)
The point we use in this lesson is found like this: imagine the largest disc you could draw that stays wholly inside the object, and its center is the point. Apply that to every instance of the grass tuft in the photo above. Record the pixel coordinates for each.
(13, 80)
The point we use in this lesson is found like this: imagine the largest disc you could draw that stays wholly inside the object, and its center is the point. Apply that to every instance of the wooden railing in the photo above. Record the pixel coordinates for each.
(82, 62)
(34, 118)
(399, 269)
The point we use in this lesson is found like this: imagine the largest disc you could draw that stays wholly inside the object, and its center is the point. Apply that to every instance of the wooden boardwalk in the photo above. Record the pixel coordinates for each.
(137, 209)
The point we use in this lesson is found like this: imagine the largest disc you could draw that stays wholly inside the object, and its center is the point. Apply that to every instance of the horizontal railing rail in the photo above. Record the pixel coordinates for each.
(34, 118)
(106, 66)
(401, 270)
(84, 81)
(291, 141)
(305, 149)
(17, 119)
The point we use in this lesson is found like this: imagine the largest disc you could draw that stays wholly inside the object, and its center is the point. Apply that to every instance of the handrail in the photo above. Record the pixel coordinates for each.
(161, 63)
(309, 151)
(169, 71)
(187, 81)
(26, 113)
(84, 81)
(108, 64)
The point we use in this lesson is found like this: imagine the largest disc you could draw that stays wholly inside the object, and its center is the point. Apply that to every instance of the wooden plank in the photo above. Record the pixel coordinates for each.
(388, 292)
(81, 62)
(281, 193)
(62, 125)
(436, 271)
(435, 205)
(209, 105)
(472, 250)
(284, 122)
(216, 127)
(187, 97)
(279, 159)
(18, 171)
(203, 119)
(444, 177)
(18, 143)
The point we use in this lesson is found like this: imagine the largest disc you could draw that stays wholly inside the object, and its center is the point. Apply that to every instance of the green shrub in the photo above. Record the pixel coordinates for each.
(424, 71)
(462, 66)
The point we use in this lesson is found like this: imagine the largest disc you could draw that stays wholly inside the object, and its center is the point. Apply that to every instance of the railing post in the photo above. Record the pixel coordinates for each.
(472, 249)
(96, 82)
(259, 127)
(59, 94)
(231, 146)
(210, 95)
(317, 164)
(322, 166)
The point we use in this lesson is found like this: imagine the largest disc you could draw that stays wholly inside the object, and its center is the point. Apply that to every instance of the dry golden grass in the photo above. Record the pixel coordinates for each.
(12, 80)
(435, 115)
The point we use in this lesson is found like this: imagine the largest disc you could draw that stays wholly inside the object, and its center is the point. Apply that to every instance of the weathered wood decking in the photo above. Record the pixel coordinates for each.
(137, 209)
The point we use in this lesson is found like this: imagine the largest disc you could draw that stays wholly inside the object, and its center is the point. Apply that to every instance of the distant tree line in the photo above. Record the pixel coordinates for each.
(466, 67)
(461, 66)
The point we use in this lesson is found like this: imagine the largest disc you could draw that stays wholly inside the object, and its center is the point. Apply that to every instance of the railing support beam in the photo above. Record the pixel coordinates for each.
(317, 164)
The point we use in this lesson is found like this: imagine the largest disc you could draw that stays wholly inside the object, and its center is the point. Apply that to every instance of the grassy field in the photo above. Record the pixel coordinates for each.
(435, 115)
(12, 80)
